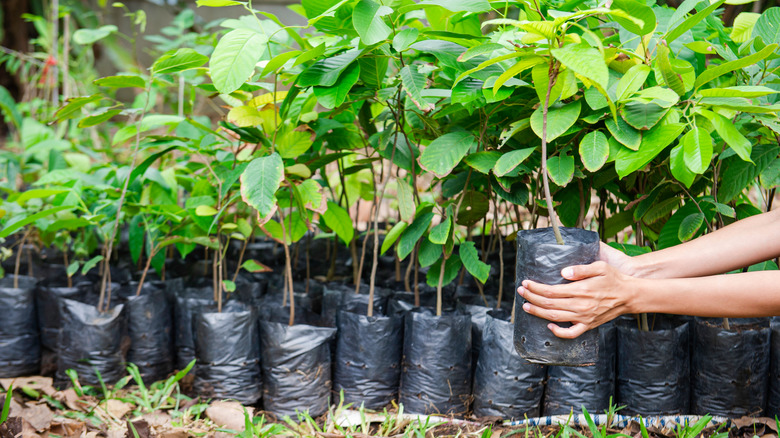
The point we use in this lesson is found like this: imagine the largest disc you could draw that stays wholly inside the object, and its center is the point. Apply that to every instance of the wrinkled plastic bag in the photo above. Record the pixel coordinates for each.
(505, 385)
(228, 356)
(47, 300)
(436, 374)
(368, 358)
(20, 349)
(773, 398)
(336, 296)
(150, 327)
(540, 258)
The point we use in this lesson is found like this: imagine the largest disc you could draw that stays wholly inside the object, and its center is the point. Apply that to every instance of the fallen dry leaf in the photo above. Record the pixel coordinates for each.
(174, 433)
(38, 415)
(38, 383)
(67, 428)
(118, 409)
(228, 414)
(157, 419)
(141, 428)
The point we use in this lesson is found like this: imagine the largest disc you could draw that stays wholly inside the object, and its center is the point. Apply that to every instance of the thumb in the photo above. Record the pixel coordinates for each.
(581, 272)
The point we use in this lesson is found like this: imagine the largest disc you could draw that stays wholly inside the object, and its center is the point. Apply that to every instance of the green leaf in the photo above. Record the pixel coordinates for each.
(218, 3)
(406, 206)
(679, 169)
(743, 27)
(632, 81)
(392, 236)
(585, 61)
(98, 118)
(180, 60)
(653, 142)
(368, 22)
(737, 174)
(414, 83)
(441, 232)
(594, 150)
(643, 116)
(373, 70)
(714, 72)
(676, 31)
(12, 227)
(624, 133)
(472, 263)
(745, 91)
(278, 61)
(483, 161)
(690, 226)
(9, 107)
(205, 210)
(519, 67)
(561, 169)
(559, 119)
(429, 253)
(444, 153)
(121, 81)
(72, 268)
(768, 26)
(637, 10)
(326, 72)
(91, 36)
(333, 96)
(451, 268)
(91, 263)
(9, 396)
(697, 150)
(338, 220)
(234, 58)
(229, 286)
(730, 134)
(475, 206)
(460, 5)
(259, 182)
(672, 79)
(510, 160)
(405, 38)
(74, 105)
(412, 234)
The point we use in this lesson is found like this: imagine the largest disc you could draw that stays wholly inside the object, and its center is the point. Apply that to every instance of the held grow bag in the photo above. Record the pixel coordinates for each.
(540, 258)
(150, 327)
(773, 398)
(505, 385)
(228, 356)
(574, 387)
(368, 358)
(653, 367)
(436, 375)
(90, 341)
(20, 349)
(730, 368)
(296, 367)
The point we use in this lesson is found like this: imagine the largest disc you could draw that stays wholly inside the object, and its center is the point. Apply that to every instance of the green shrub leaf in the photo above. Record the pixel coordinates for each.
(368, 22)
(259, 182)
(234, 58)
(594, 150)
(559, 119)
(444, 153)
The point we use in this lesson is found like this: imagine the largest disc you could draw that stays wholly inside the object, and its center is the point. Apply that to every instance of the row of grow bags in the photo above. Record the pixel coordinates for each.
(249, 352)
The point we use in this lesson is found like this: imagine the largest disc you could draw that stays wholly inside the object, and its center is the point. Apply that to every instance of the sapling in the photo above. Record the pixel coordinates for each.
(552, 77)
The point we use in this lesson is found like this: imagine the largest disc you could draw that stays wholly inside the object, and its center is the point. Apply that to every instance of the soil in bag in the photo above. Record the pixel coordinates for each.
(505, 384)
(540, 258)
(296, 366)
(20, 348)
(228, 355)
(150, 327)
(773, 398)
(90, 342)
(436, 373)
(368, 358)
(574, 387)
(653, 367)
(730, 368)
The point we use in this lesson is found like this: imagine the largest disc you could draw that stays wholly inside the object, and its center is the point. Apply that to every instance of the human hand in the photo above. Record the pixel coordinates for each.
(598, 293)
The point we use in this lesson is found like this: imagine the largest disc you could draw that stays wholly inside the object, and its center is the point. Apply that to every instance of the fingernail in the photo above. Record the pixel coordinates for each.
(567, 272)
(526, 307)
(520, 291)
(550, 326)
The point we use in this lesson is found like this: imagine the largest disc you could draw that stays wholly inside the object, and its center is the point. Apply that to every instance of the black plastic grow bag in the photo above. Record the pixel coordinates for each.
(653, 367)
(336, 296)
(730, 368)
(505, 385)
(368, 358)
(436, 375)
(296, 367)
(228, 356)
(20, 349)
(773, 398)
(574, 387)
(47, 300)
(90, 342)
(150, 327)
(540, 258)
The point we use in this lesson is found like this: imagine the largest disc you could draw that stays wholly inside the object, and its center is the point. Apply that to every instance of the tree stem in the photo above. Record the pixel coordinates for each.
(553, 76)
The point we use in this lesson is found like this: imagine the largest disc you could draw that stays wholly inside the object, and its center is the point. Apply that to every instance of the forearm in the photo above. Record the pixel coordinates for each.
(743, 243)
(748, 294)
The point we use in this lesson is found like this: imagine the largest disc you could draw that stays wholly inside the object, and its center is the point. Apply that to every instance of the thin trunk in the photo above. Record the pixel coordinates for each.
(360, 264)
(181, 96)
(288, 271)
(500, 263)
(416, 279)
(438, 287)
(553, 76)
(66, 57)
(143, 274)
(241, 256)
(65, 258)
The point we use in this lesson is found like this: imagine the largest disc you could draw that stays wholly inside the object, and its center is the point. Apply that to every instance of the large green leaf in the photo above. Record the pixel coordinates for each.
(585, 61)
(637, 10)
(373, 70)
(259, 182)
(679, 169)
(392, 236)
(697, 149)
(768, 26)
(743, 27)
(15, 225)
(689, 226)
(444, 153)
(451, 268)
(368, 22)
(643, 116)
(338, 220)
(677, 31)
(412, 234)
(737, 174)
(653, 142)
(559, 119)
(561, 169)
(745, 91)
(405, 38)
(483, 161)
(440, 233)
(475, 206)
(406, 206)
(672, 79)
(594, 150)
(510, 160)
(122, 81)
(234, 58)
(429, 253)
(624, 133)
(180, 60)
(472, 263)
(719, 70)
(632, 81)
(326, 72)
(91, 36)
(414, 83)
(333, 96)
(730, 134)
(460, 5)
(294, 143)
